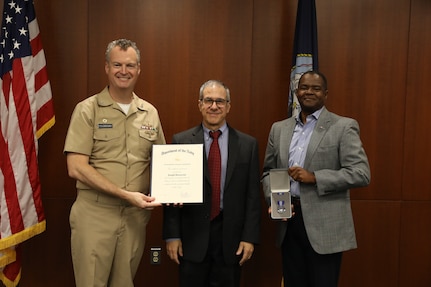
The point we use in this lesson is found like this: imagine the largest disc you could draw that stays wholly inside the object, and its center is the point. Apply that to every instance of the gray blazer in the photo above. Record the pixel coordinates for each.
(338, 160)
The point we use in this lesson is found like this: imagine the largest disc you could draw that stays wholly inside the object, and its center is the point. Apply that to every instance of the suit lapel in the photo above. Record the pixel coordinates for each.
(233, 152)
(285, 140)
(198, 135)
(198, 138)
(320, 130)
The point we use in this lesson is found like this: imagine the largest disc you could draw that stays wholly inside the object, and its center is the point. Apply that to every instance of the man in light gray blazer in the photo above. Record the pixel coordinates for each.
(324, 158)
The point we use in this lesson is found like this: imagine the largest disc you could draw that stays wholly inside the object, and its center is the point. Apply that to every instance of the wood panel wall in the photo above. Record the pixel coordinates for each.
(377, 58)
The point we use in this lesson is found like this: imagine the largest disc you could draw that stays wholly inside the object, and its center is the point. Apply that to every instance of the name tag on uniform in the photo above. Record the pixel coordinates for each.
(105, 126)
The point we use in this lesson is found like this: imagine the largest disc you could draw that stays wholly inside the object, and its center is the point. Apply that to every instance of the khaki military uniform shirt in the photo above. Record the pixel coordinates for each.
(119, 145)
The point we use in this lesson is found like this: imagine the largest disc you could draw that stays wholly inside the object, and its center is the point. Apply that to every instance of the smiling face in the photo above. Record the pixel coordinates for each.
(311, 93)
(214, 106)
(122, 69)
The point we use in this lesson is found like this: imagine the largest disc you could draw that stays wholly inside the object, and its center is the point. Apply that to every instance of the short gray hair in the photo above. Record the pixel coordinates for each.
(124, 44)
(214, 83)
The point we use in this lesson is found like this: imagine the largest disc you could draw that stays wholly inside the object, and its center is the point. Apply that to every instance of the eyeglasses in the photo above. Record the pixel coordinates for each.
(209, 102)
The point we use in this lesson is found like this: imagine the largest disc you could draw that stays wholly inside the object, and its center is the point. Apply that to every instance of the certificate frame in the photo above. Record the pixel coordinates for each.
(177, 173)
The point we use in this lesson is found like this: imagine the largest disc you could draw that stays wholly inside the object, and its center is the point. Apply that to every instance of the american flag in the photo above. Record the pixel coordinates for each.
(26, 112)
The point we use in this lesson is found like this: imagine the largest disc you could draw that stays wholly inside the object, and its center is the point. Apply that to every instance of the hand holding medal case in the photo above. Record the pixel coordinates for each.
(280, 194)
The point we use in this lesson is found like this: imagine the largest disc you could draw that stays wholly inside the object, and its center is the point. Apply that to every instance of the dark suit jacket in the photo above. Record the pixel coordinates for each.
(241, 203)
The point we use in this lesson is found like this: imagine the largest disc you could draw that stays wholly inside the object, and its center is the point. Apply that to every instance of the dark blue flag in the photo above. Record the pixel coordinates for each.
(304, 49)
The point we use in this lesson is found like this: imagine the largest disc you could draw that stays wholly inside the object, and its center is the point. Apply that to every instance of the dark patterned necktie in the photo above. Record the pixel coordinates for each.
(214, 165)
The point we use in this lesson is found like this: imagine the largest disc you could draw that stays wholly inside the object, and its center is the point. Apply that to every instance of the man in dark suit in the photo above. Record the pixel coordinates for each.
(324, 157)
(211, 251)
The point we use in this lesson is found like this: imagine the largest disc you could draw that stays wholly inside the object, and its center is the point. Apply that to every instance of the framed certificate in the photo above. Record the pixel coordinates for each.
(177, 173)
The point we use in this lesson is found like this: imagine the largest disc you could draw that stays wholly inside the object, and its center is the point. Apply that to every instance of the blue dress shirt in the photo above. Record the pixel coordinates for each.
(298, 147)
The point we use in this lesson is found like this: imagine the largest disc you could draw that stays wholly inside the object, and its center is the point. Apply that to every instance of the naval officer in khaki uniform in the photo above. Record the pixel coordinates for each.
(108, 148)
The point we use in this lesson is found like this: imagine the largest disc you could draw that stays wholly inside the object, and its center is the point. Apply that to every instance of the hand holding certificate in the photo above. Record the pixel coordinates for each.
(177, 173)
